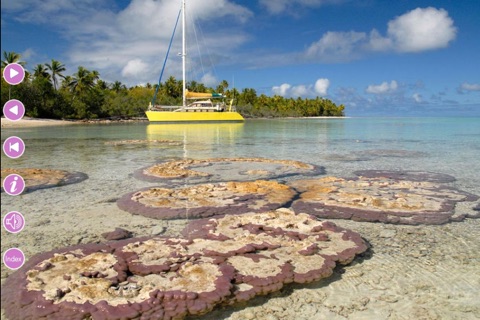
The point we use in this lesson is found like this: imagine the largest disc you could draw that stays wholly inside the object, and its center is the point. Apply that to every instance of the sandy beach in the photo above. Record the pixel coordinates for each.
(27, 122)
(33, 122)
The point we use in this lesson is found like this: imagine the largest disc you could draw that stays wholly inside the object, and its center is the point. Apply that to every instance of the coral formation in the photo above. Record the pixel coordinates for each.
(44, 178)
(117, 234)
(395, 197)
(251, 168)
(219, 261)
(206, 200)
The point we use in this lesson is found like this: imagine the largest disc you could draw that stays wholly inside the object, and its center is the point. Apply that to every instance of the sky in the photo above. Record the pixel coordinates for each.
(381, 58)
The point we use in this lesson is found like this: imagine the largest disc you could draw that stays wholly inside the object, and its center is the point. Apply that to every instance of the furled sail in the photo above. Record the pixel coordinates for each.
(203, 95)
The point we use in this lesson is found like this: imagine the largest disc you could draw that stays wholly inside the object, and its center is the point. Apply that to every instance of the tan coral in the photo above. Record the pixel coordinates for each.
(36, 178)
(180, 168)
(207, 199)
(378, 199)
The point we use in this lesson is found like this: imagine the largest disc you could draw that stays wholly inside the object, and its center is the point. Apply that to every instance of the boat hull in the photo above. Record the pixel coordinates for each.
(179, 116)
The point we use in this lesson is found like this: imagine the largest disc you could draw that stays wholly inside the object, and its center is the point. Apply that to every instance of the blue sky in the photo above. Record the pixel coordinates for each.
(375, 57)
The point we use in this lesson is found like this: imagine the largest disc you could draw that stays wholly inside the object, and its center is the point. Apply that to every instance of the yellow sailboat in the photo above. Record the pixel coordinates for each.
(201, 107)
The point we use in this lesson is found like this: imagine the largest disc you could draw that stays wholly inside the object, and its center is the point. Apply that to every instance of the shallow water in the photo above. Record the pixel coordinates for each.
(79, 213)
(340, 146)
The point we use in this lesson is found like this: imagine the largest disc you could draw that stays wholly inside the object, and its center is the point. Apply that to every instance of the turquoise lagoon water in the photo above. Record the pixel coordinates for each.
(339, 145)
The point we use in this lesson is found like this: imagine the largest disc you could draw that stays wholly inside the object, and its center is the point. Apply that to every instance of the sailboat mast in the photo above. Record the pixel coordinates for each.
(184, 56)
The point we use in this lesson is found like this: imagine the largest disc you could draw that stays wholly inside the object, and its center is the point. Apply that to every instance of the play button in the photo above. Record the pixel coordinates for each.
(13, 73)
(13, 110)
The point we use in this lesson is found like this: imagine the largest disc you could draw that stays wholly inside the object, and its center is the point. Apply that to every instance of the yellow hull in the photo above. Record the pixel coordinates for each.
(179, 116)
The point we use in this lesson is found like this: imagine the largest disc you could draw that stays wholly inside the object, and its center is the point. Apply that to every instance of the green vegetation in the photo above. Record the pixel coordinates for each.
(48, 93)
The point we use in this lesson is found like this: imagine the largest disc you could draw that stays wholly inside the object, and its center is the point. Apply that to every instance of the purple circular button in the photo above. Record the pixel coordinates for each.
(13, 258)
(13, 147)
(13, 110)
(14, 222)
(13, 73)
(13, 184)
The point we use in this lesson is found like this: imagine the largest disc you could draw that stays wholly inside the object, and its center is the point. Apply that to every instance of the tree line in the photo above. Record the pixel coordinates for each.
(48, 93)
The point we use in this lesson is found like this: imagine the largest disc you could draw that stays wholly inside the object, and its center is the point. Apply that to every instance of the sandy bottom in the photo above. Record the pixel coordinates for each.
(411, 272)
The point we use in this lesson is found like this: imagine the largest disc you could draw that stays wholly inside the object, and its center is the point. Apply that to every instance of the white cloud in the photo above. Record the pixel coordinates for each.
(28, 54)
(52, 11)
(311, 90)
(469, 87)
(290, 6)
(422, 29)
(134, 68)
(417, 97)
(122, 42)
(382, 88)
(209, 80)
(378, 43)
(300, 91)
(282, 90)
(321, 86)
(417, 30)
(335, 46)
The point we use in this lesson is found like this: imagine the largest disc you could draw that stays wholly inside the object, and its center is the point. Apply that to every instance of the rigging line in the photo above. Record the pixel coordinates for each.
(209, 54)
(198, 44)
(200, 37)
(166, 57)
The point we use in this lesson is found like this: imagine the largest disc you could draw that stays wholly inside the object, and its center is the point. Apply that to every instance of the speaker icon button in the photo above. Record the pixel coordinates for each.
(13, 222)
(14, 147)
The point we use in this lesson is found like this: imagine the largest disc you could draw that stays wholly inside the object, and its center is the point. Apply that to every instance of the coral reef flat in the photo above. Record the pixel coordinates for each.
(219, 261)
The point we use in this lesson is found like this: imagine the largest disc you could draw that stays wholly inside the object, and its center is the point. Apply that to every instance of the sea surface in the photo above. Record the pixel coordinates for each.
(340, 146)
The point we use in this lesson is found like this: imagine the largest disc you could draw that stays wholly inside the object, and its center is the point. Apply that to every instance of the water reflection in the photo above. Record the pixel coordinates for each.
(196, 132)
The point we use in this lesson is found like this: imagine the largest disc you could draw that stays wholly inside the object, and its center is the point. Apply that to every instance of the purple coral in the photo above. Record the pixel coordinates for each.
(170, 278)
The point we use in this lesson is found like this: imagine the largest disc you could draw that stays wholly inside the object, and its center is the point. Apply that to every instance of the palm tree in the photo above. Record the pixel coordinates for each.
(11, 57)
(82, 80)
(41, 71)
(66, 82)
(118, 86)
(222, 86)
(56, 68)
(81, 84)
